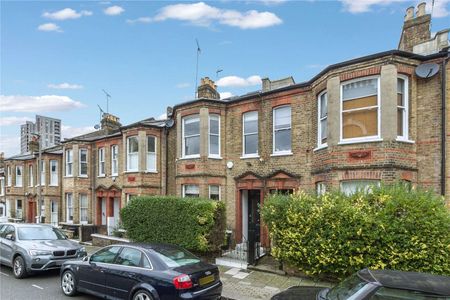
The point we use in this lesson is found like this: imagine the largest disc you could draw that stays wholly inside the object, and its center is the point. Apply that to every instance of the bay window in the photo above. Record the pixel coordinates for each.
(402, 108)
(132, 154)
(250, 134)
(101, 162)
(282, 130)
(214, 136)
(360, 110)
(83, 208)
(151, 154)
(69, 208)
(83, 163)
(42, 175)
(214, 192)
(322, 120)
(114, 160)
(9, 175)
(30, 176)
(191, 136)
(69, 162)
(350, 187)
(54, 172)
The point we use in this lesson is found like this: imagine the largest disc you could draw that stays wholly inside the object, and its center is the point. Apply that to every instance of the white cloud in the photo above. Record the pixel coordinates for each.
(10, 145)
(20, 103)
(113, 10)
(139, 20)
(356, 7)
(8, 121)
(226, 95)
(235, 81)
(273, 2)
(68, 132)
(64, 86)
(49, 27)
(441, 8)
(66, 14)
(202, 14)
(183, 85)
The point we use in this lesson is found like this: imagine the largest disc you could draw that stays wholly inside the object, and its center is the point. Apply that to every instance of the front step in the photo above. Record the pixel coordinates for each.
(231, 262)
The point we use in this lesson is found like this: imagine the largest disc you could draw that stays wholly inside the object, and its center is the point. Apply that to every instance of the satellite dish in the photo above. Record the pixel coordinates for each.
(97, 127)
(427, 70)
(169, 123)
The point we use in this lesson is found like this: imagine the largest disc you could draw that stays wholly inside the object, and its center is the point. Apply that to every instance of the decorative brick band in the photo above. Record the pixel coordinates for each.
(361, 73)
(405, 70)
(349, 175)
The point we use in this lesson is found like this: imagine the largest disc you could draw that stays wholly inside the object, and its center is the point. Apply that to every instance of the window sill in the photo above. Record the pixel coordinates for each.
(131, 171)
(324, 146)
(115, 175)
(82, 176)
(151, 172)
(373, 140)
(189, 157)
(281, 154)
(68, 176)
(405, 141)
(101, 176)
(53, 185)
(215, 157)
(249, 156)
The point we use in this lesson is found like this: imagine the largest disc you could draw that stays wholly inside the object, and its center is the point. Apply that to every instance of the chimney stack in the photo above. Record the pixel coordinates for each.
(416, 29)
(110, 122)
(207, 89)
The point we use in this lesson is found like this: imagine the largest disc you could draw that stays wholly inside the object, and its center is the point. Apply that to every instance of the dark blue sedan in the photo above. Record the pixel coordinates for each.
(142, 272)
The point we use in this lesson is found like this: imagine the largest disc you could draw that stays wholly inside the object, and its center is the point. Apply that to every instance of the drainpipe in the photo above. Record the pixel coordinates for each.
(166, 175)
(443, 120)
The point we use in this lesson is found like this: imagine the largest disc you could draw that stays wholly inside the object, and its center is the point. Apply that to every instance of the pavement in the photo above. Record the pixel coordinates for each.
(247, 284)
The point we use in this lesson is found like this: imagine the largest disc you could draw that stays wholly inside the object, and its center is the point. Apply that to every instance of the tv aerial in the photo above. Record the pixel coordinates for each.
(108, 96)
(427, 70)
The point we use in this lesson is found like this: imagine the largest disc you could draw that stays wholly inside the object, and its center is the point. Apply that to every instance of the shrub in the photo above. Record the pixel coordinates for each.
(335, 235)
(195, 224)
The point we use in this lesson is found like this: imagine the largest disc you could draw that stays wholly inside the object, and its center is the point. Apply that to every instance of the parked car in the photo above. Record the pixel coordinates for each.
(35, 247)
(376, 285)
(142, 272)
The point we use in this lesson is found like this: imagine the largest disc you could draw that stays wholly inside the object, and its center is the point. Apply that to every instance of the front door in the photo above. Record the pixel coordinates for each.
(54, 213)
(31, 215)
(116, 212)
(103, 211)
(253, 222)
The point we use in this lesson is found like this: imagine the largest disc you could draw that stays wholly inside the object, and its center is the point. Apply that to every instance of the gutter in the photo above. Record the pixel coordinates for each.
(443, 126)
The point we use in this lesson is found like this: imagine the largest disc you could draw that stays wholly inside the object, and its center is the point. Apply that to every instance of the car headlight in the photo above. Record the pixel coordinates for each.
(35, 252)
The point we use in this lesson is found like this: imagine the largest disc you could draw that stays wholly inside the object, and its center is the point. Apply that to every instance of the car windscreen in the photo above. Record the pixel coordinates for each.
(40, 233)
(346, 288)
(175, 257)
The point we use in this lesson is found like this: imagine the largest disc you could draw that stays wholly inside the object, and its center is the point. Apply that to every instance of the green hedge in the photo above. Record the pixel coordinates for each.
(195, 224)
(335, 235)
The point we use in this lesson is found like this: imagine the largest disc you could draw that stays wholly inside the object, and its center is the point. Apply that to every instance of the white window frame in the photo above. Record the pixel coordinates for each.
(69, 162)
(19, 178)
(341, 116)
(183, 141)
(42, 175)
(186, 185)
(151, 155)
(209, 192)
(321, 188)
(9, 176)
(2, 186)
(83, 208)
(19, 212)
(367, 188)
(101, 162)
(405, 136)
(114, 161)
(80, 162)
(320, 120)
(282, 152)
(244, 135)
(30, 176)
(54, 175)
(69, 208)
(134, 155)
(213, 155)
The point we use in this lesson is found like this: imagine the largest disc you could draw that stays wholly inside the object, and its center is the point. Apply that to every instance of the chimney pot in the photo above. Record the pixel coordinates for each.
(409, 13)
(421, 9)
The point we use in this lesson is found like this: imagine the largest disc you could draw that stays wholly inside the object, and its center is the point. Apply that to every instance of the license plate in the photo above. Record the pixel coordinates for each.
(206, 280)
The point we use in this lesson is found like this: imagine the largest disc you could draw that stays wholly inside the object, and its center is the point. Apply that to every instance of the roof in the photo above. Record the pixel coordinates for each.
(414, 281)
(27, 156)
(308, 83)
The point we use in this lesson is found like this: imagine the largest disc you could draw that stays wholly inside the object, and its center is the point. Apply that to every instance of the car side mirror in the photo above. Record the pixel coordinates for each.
(10, 237)
(86, 258)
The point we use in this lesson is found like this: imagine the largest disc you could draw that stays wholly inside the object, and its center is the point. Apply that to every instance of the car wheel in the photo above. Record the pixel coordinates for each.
(68, 283)
(142, 295)
(19, 268)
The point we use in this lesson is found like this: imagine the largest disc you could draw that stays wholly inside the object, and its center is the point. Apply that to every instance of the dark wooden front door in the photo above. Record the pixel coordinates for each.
(254, 224)
(31, 212)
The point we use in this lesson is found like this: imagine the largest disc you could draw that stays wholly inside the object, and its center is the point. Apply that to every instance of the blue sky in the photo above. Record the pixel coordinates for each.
(56, 57)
